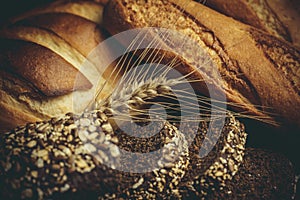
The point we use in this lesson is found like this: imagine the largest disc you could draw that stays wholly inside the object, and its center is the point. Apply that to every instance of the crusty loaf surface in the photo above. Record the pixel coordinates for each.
(289, 14)
(83, 34)
(45, 51)
(252, 77)
(83, 159)
(278, 17)
(87, 157)
(22, 102)
(262, 175)
(255, 13)
(86, 9)
(42, 68)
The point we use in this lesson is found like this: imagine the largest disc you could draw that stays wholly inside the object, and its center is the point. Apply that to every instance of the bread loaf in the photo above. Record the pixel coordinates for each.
(71, 169)
(260, 72)
(77, 156)
(280, 18)
(41, 62)
(262, 175)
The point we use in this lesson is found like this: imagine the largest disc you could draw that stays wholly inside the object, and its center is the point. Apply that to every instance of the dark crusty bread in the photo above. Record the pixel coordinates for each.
(262, 175)
(228, 143)
(278, 17)
(78, 156)
(260, 72)
(289, 13)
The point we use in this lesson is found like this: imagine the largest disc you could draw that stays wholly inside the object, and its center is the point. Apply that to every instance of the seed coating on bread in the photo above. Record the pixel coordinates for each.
(262, 175)
(76, 154)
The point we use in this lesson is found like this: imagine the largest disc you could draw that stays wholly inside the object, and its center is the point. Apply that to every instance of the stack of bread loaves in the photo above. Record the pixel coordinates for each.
(61, 135)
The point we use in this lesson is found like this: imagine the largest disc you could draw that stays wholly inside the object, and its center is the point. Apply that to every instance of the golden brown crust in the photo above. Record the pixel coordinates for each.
(12, 112)
(21, 102)
(86, 9)
(41, 62)
(238, 9)
(251, 78)
(47, 71)
(11, 116)
(288, 11)
(255, 13)
(81, 33)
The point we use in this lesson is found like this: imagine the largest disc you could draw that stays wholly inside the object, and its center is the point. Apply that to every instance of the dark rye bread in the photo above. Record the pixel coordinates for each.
(254, 84)
(263, 175)
(77, 156)
(227, 142)
(73, 157)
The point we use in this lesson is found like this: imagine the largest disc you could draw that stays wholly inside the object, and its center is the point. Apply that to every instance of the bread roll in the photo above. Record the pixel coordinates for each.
(42, 57)
(82, 156)
(83, 160)
(260, 72)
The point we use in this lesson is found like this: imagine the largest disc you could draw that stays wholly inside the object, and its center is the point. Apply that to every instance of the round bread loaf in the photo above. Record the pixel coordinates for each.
(77, 156)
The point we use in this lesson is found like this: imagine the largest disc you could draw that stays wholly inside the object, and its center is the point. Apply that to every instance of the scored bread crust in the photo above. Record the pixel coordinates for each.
(278, 17)
(83, 34)
(46, 50)
(21, 102)
(289, 14)
(252, 78)
(256, 13)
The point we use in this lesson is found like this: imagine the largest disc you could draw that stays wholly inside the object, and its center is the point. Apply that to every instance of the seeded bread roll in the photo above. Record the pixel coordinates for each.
(77, 156)
(229, 148)
(82, 156)
(41, 62)
(260, 73)
(278, 17)
(88, 156)
(262, 175)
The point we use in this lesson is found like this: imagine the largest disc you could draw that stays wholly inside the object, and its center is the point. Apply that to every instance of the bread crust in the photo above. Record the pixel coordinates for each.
(288, 11)
(251, 78)
(42, 68)
(42, 58)
(89, 10)
(278, 17)
(83, 34)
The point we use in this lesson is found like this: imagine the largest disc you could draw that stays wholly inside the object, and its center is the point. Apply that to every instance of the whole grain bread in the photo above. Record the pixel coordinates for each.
(260, 72)
(262, 175)
(278, 17)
